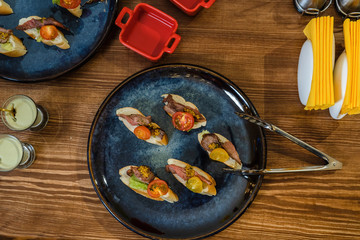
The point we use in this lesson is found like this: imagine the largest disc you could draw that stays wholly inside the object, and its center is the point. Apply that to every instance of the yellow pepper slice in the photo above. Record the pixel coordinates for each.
(195, 184)
(219, 154)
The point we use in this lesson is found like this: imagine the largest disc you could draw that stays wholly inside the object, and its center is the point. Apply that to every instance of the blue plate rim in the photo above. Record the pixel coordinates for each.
(174, 65)
(80, 63)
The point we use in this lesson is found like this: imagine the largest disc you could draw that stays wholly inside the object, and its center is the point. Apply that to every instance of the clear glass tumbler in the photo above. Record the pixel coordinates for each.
(23, 113)
(14, 153)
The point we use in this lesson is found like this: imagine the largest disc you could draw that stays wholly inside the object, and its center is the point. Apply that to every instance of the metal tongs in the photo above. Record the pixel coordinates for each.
(332, 163)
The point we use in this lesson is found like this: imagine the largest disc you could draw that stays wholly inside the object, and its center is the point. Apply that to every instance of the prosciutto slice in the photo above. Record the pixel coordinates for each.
(93, 1)
(208, 139)
(136, 119)
(143, 173)
(211, 138)
(181, 172)
(4, 35)
(230, 149)
(171, 107)
(38, 23)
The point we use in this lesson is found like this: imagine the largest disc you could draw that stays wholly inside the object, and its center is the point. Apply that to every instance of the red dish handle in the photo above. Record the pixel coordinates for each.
(171, 49)
(118, 20)
(207, 4)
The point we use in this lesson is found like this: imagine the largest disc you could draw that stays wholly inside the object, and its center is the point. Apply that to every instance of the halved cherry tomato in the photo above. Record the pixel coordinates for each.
(183, 121)
(142, 132)
(48, 32)
(219, 154)
(70, 4)
(157, 188)
(195, 184)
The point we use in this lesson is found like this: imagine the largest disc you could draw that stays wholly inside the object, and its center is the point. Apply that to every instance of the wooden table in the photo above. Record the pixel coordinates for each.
(256, 44)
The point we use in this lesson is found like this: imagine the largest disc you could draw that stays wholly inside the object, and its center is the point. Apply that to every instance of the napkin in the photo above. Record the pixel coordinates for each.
(351, 104)
(320, 32)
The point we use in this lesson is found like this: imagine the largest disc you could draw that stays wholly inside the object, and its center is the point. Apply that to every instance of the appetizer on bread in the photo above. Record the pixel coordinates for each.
(142, 126)
(195, 179)
(220, 149)
(185, 115)
(44, 30)
(73, 6)
(143, 181)
(5, 8)
(10, 45)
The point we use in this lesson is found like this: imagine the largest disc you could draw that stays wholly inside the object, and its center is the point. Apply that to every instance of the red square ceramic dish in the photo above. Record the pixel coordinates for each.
(148, 31)
(191, 7)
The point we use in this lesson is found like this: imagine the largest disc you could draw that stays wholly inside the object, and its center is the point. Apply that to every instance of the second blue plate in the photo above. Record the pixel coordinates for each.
(43, 62)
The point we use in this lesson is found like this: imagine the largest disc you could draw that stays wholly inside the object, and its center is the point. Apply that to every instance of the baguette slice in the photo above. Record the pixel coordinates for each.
(181, 100)
(209, 190)
(5, 8)
(18, 49)
(170, 196)
(130, 110)
(60, 41)
(230, 162)
(77, 12)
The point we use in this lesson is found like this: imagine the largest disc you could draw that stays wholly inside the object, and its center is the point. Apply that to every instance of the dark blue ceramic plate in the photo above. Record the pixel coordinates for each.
(43, 62)
(111, 146)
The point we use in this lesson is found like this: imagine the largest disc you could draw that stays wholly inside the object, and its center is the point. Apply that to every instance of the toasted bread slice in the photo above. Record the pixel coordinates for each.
(181, 100)
(17, 47)
(5, 8)
(230, 162)
(60, 41)
(170, 196)
(130, 110)
(209, 190)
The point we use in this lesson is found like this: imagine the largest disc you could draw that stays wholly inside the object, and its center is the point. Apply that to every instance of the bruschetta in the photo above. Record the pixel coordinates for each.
(143, 127)
(142, 181)
(73, 6)
(220, 149)
(44, 30)
(10, 45)
(5, 8)
(193, 178)
(185, 115)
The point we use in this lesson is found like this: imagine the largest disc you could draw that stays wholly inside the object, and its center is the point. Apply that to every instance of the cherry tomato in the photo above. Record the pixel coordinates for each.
(48, 32)
(142, 132)
(183, 121)
(70, 4)
(195, 184)
(219, 154)
(157, 188)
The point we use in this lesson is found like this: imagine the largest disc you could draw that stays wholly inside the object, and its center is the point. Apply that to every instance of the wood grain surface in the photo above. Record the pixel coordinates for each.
(256, 44)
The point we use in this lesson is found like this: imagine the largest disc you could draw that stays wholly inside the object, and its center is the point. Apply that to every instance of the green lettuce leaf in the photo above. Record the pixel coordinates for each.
(135, 183)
